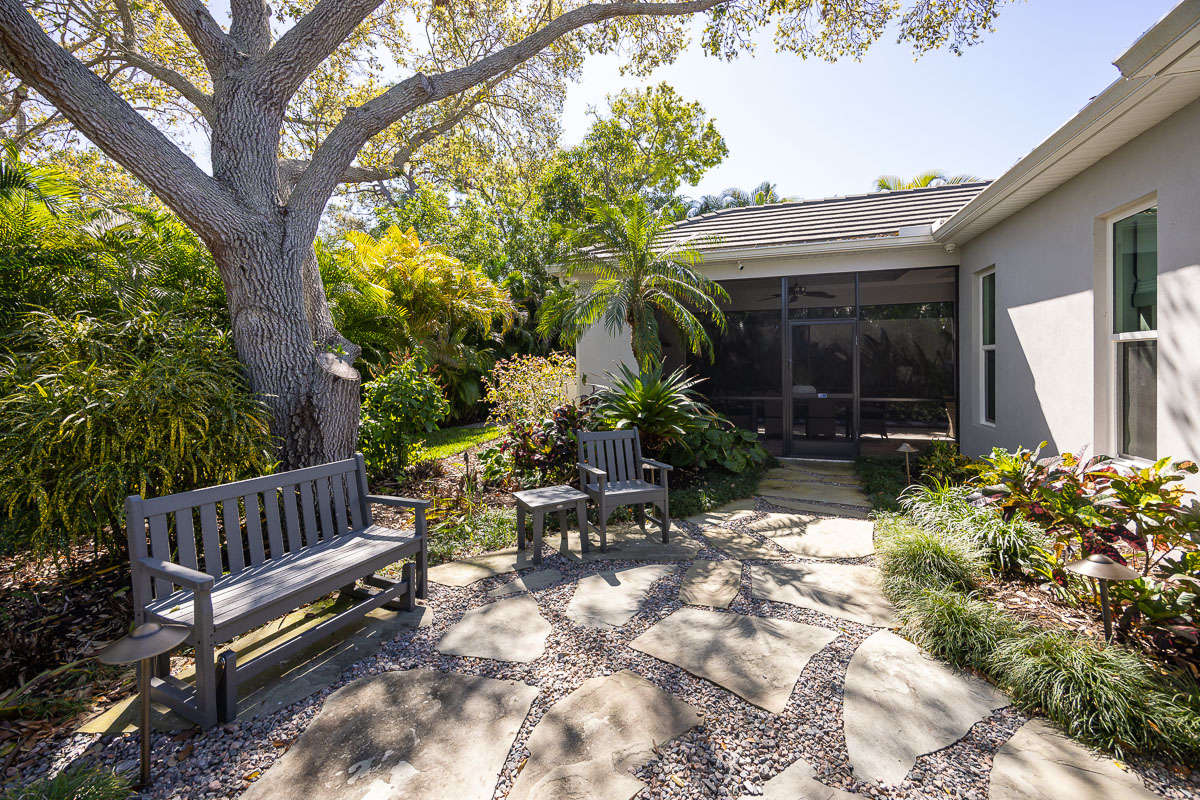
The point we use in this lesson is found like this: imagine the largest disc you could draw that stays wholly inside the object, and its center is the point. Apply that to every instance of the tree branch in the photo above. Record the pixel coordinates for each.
(190, 91)
(310, 41)
(213, 44)
(250, 27)
(100, 114)
(338, 150)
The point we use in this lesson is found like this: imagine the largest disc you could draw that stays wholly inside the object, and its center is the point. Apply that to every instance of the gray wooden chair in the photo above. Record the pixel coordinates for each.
(319, 537)
(612, 473)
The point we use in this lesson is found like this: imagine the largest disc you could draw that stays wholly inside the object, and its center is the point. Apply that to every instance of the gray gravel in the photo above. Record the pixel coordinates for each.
(735, 750)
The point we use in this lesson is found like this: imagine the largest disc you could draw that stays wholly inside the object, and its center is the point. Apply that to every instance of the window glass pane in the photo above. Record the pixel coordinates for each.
(1139, 399)
(748, 355)
(1135, 273)
(906, 334)
(989, 388)
(989, 308)
(821, 296)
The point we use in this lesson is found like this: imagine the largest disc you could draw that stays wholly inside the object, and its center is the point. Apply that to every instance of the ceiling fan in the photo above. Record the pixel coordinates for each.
(796, 291)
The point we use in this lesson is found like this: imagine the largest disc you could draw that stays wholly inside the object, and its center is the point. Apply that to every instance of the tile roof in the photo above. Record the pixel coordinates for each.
(862, 216)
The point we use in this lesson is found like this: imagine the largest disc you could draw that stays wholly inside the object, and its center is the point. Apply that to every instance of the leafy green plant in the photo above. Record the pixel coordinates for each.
(914, 557)
(73, 783)
(399, 408)
(94, 409)
(664, 408)
(941, 463)
(714, 487)
(540, 452)
(954, 626)
(524, 388)
(882, 480)
(717, 441)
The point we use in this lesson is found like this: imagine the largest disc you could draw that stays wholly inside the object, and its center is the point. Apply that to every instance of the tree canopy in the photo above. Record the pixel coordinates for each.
(933, 177)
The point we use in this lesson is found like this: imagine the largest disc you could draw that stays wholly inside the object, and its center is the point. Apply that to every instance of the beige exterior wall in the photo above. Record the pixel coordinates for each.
(1052, 263)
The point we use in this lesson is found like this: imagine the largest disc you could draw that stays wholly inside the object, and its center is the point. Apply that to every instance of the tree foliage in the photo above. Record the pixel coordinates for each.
(766, 193)
(933, 177)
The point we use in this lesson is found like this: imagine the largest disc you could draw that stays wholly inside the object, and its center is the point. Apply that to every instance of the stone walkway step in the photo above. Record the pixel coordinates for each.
(587, 743)
(511, 629)
(830, 468)
(529, 582)
(840, 590)
(725, 514)
(1038, 761)
(900, 704)
(610, 599)
(799, 782)
(466, 571)
(831, 538)
(811, 491)
(737, 544)
(756, 658)
(627, 542)
(401, 734)
(711, 583)
(828, 510)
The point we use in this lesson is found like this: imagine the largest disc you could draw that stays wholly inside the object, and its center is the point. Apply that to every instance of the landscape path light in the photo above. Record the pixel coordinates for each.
(907, 448)
(1103, 569)
(142, 646)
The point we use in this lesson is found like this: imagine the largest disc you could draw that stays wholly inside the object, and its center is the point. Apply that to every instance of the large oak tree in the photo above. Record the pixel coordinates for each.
(294, 103)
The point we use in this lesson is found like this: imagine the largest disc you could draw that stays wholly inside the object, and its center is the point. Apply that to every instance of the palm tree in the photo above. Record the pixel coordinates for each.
(933, 177)
(766, 193)
(629, 270)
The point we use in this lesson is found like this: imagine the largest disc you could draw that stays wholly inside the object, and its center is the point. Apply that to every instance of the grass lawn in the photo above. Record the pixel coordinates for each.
(452, 441)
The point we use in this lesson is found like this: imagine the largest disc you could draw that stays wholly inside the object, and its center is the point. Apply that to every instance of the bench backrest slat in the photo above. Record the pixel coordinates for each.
(241, 523)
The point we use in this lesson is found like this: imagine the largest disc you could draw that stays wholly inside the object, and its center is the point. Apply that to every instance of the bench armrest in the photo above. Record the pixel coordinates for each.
(650, 462)
(177, 574)
(401, 502)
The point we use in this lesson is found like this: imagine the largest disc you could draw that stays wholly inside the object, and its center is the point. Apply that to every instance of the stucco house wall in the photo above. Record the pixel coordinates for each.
(1053, 308)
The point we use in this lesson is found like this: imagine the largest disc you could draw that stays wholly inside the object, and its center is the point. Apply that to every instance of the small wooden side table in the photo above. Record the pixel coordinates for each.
(548, 500)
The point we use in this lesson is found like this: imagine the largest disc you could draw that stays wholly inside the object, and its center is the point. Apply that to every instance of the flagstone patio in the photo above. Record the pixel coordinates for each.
(653, 671)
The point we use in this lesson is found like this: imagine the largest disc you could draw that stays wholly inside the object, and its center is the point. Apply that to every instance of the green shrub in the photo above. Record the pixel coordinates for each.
(954, 626)
(538, 452)
(399, 407)
(73, 783)
(94, 409)
(1105, 696)
(882, 480)
(521, 389)
(718, 442)
(715, 487)
(942, 463)
(912, 557)
(664, 408)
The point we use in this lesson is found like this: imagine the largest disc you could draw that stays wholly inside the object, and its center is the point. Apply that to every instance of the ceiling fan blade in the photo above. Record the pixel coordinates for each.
(823, 295)
(770, 297)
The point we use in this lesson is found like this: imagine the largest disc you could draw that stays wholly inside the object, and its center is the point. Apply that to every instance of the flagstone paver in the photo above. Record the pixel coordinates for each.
(586, 744)
(737, 544)
(629, 543)
(831, 538)
(610, 599)
(756, 658)
(799, 782)
(813, 491)
(794, 474)
(774, 524)
(711, 583)
(511, 629)
(841, 590)
(836, 468)
(725, 514)
(529, 582)
(400, 734)
(900, 704)
(469, 570)
(828, 510)
(1038, 761)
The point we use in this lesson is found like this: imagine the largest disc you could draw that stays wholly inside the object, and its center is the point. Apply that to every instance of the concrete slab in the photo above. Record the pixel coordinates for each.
(711, 583)
(587, 743)
(469, 570)
(278, 687)
(832, 538)
(511, 629)
(1038, 761)
(738, 509)
(529, 582)
(756, 658)
(400, 734)
(737, 544)
(840, 590)
(799, 782)
(812, 491)
(900, 704)
(629, 543)
(793, 474)
(610, 599)
(774, 524)
(835, 468)
(807, 507)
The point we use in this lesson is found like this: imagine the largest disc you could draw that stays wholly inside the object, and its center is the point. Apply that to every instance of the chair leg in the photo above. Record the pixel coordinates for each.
(227, 687)
(641, 516)
(603, 529)
(666, 520)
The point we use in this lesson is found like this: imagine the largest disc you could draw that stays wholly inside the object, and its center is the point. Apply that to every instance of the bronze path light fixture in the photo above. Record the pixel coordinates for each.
(1103, 569)
(142, 646)
(907, 448)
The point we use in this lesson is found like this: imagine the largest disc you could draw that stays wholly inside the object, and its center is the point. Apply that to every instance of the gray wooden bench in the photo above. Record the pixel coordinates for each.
(266, 547)
(612, 472)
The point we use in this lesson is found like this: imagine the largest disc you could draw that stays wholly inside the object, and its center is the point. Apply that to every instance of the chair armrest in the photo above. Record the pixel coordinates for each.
(177, 574)
(593, 471)
(650, 462)
(402, 502)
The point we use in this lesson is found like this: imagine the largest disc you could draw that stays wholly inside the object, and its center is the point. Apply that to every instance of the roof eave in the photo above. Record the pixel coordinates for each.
(831, 247)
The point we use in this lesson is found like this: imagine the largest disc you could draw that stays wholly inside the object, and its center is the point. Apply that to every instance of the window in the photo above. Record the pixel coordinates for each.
(1135, 332)
(987, 346)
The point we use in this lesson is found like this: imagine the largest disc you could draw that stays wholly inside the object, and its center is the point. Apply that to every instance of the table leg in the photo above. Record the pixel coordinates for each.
(581, 518)
(539, 519)
(563, 530)
(520, 526)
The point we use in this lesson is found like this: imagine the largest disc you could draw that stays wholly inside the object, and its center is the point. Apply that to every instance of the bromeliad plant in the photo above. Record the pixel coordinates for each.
(665, 408)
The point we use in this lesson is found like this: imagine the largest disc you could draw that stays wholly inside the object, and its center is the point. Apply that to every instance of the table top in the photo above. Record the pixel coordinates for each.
(549, 495)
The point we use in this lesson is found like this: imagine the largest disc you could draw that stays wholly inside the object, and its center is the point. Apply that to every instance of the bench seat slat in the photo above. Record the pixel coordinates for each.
(245, 600)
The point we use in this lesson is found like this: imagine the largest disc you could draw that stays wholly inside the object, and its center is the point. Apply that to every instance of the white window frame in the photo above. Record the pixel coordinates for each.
(1115, 340)
(984, 349)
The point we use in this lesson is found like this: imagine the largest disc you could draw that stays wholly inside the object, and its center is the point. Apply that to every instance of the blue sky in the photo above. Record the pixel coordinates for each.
(819, 129)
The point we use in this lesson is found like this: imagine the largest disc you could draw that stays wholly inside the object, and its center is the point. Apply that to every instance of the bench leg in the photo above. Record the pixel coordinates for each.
(227, 687)
(410, 591)
(206, 681)
(581, 517)
(162, 665)
(423, 569)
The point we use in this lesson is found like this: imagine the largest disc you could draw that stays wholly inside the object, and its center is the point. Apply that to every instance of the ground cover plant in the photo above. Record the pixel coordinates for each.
(447, 442)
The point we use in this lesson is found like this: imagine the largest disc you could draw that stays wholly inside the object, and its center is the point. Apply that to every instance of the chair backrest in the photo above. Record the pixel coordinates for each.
(618, 453)
(295, 510)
